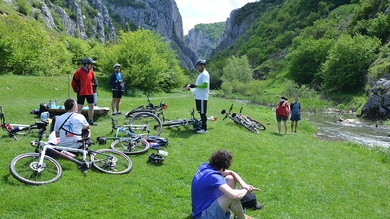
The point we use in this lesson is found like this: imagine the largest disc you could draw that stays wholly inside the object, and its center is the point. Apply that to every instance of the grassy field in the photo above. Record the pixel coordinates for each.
(300, 177)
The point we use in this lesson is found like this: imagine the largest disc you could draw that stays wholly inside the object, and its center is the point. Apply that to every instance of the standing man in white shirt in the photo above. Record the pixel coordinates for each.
(201, 93)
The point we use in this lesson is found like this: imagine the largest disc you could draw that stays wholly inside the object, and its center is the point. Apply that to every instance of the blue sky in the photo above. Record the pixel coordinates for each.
(206, 11)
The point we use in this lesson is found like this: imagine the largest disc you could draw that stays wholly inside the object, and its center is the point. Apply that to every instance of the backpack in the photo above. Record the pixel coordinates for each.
(157, 141)
(250, 201)
(197, 125)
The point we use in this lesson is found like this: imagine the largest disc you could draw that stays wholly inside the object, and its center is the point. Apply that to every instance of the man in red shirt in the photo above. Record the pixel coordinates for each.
(82, 82)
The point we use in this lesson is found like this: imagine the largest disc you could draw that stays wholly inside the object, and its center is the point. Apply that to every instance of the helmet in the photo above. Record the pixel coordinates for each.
(201, 62)
(117, 65)
(87, 61)
(101, 140)
(156, 158)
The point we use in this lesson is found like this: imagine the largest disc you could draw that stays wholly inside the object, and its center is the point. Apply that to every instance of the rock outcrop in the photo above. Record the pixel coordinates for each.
(377, 106)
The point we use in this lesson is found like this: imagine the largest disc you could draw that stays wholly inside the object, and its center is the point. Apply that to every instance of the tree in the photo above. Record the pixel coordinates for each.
(306, 58)
(147, 62)
(237, 69)
(348, 62)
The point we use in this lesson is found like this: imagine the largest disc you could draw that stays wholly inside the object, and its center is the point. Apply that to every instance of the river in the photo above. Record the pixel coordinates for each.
(334, 126)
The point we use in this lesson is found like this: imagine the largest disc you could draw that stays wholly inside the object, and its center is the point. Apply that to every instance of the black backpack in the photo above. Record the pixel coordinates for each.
(249, 201)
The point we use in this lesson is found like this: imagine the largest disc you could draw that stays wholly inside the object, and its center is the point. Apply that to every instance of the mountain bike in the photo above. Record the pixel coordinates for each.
(145, 123)
(158, 110)
(249, 123)
(39, 168)
(13, 129)
(196, 123)
(130, 144)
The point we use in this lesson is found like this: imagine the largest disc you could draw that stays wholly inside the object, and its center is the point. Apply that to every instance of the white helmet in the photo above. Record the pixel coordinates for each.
(117, 65)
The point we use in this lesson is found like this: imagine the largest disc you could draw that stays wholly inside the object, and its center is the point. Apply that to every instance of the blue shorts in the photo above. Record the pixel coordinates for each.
(295, 117)
(214, 211)
(279, 118)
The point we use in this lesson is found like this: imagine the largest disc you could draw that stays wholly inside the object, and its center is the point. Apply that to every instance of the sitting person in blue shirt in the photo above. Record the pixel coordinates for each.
(214, 191)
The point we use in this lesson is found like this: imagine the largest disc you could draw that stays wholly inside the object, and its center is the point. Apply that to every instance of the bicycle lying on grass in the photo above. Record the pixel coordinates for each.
(130, 144)
(150, 108)
(249, 123)
(13, 129)
(38, 168)
(196, 123)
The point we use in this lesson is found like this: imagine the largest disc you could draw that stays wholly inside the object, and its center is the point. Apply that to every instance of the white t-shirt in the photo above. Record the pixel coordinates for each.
(202, 93)
(75, 124)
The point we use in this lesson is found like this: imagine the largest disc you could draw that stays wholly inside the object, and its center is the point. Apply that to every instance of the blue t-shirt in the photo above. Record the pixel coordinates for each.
(295, 108)
(205, 188)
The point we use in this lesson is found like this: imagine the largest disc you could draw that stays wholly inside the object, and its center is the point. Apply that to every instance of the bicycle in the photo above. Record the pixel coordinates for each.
(13, 129)
(196, 123)
(39, 168)
(131, 144)
(150, 108)
(249, 123)
(145, 123)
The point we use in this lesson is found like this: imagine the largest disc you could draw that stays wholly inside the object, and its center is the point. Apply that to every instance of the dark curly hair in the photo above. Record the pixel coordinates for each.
(221, 160)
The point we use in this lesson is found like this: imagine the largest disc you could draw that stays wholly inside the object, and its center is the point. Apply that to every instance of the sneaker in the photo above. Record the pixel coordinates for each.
(119, 113)
(114, 113)
(202, 131)
(92, 123)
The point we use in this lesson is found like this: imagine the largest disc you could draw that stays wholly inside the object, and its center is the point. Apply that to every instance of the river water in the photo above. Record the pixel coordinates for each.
(335, 126)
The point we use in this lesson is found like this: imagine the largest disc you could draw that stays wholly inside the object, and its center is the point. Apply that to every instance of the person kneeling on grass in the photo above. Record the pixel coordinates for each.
(214, 191)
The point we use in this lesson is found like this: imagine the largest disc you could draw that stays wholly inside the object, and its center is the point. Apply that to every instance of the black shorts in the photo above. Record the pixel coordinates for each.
(201, 106)
(117, 94)
(81, 99)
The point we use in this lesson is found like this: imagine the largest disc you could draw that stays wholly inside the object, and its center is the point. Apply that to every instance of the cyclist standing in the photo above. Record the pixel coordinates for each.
(118, 88)
(201, 93)
(83, 80)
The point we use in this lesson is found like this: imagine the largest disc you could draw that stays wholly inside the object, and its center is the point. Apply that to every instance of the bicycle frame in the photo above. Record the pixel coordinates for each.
(150, 107)
(12, 129)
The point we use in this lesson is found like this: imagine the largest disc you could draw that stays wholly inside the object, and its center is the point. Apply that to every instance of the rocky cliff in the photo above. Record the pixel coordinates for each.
(162, 16)
(237, 24)
(93, 19)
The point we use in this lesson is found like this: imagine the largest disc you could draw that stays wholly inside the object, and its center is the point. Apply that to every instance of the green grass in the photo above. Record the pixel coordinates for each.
(300, 177)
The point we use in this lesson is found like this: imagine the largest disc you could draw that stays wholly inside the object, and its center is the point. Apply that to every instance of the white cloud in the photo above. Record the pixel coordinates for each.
(205, 11)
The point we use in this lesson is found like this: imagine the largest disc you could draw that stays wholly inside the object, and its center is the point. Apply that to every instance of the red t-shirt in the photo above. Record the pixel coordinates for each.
(82, 81)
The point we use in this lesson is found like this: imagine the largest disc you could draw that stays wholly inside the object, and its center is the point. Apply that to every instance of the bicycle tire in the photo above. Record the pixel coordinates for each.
(24, 168)
(259, 125)
(145, 123)
(131, 146)
(111, 161)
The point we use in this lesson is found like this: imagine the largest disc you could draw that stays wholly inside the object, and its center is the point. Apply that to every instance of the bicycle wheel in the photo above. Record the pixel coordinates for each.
(258, 125)
(26, 169)
(131, 146)
(145, 123)
(111, 161)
